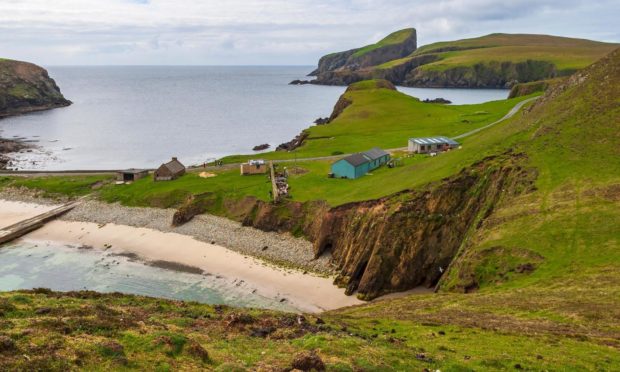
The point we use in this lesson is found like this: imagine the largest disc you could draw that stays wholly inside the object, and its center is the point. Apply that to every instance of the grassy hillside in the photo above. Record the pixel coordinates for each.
(380, 117)
(392, 39)
(84, 330)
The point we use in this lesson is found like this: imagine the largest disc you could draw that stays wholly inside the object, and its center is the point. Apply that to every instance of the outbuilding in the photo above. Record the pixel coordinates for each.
(357, 165)
(254, 167)
(130, 175)
(425, 145)
(169, 171)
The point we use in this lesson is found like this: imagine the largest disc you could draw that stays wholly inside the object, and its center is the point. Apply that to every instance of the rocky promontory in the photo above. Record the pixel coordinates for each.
(26, 87)
(491, 61)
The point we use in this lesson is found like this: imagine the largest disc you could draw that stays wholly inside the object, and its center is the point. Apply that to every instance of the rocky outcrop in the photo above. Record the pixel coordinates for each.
(481, 75)
(525, 89)
(294, 143)
(25, 87)
(396, 45)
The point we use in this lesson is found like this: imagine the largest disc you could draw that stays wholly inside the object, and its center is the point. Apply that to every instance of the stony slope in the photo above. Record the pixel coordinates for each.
(25, 87)
(492, 61)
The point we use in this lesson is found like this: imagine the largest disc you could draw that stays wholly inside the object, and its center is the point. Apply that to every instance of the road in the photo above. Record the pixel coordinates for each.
(510, 114)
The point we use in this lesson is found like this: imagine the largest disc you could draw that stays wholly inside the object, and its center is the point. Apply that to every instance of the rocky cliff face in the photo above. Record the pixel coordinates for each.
(403, 240)
(25, 87)
(481, 75)
(397, 45)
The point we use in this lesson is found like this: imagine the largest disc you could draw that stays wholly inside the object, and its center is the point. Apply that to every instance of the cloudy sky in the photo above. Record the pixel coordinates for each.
(253, 32)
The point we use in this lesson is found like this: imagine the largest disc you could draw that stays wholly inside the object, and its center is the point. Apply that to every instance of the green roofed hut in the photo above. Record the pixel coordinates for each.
(357, 165)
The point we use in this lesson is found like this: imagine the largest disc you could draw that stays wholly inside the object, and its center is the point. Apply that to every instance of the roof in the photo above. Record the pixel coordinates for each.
(433, 140)
(174, 166)
(132, 171)
(375, 153)
(356, 159)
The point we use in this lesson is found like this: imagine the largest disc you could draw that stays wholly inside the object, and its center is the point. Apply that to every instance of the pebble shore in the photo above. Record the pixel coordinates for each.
(281, 249)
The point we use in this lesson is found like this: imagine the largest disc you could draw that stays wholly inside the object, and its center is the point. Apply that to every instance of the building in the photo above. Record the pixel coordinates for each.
(254, 167)
(130, 175)
(169, 171)
(357, 165)
(431, 144)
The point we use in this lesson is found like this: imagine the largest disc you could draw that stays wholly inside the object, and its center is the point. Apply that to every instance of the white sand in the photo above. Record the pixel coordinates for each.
(12, 212)
(306, 292)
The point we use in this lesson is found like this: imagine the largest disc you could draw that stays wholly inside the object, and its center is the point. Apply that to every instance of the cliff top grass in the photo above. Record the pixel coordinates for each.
(567, 54)
(387, 118)
(393, 38)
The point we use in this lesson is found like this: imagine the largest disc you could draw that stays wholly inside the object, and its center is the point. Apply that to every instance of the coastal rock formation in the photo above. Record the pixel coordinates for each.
(25, 87)
(294, 143)
(491, 61)
(403, 240)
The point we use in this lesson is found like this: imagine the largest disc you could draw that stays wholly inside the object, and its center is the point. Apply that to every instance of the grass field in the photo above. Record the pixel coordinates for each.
(387, 119)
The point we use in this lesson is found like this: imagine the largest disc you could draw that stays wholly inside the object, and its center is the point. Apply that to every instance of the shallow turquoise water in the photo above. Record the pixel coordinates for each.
(30, 264)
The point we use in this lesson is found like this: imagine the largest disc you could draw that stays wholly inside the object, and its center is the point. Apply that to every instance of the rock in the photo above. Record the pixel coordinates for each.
(196, 350)
(262, 147)
(6, 344)
(294, 143)
(308, 361)
(319, 321)
(437, 100)
(299, 82)
(321, 121)
(262, 332)
(239, 318)
(525, 268)
(43, 310)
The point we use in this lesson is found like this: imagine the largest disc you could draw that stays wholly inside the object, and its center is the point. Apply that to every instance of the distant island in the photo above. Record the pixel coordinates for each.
(491, 61)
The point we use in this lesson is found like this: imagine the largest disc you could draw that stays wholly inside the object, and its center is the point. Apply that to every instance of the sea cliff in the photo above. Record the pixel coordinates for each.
(26, 87)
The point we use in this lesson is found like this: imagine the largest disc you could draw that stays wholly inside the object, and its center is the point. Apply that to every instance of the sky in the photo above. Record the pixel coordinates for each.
(269, 32)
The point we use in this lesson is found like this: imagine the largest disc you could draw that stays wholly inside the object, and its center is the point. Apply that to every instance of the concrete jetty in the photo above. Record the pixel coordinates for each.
(22, 228)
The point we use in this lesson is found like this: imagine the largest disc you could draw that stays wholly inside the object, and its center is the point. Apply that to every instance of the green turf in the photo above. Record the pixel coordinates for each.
(393, 38)
(567, 54)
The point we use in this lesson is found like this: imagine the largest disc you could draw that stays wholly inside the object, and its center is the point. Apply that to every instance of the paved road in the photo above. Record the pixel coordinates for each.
(510, 114)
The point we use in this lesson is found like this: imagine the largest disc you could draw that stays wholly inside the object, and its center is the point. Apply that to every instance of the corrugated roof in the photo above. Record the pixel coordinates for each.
(356, 159)
(375, 153)
(433, 140)
(133, 171)
(174, 166)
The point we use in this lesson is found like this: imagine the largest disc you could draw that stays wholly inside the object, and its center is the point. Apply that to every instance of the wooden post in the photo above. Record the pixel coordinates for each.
(274, 188)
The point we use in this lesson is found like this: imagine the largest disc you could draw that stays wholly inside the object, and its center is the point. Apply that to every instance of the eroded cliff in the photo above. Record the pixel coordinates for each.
(400, 241)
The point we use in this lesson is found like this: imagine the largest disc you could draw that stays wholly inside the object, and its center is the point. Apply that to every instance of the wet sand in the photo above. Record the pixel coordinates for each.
(306, 292)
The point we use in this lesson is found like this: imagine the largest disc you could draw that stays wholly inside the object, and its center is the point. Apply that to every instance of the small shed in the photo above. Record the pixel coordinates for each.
(425, 145)
(169, 171)
(254, 167)
(130, 175)
(357, 165)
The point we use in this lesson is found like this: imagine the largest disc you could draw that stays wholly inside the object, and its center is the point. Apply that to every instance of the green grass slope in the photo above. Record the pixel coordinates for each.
(394, 38)
(567, 54)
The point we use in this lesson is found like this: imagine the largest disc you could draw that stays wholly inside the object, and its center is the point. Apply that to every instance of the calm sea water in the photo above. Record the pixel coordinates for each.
(31, 264)
(138, 116)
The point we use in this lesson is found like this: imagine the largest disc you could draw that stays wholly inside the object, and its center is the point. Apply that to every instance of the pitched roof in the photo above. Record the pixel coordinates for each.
(375, 153)
(132, 171)
(174, 166)
(356, 159)
(433, 140)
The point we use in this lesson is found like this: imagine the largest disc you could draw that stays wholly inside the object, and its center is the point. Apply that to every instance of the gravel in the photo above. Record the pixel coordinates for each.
(278, 248)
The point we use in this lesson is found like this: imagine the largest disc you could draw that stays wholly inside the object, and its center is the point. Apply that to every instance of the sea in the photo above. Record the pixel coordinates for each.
(141, 116)
(27, 264)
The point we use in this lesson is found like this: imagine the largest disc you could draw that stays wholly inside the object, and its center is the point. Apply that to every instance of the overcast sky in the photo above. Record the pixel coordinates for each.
(274, 32)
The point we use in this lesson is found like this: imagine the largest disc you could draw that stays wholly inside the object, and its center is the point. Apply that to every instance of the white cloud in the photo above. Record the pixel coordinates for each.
(269, 31)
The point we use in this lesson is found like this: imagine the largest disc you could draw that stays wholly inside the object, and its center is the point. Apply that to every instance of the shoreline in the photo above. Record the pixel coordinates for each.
(306, 292)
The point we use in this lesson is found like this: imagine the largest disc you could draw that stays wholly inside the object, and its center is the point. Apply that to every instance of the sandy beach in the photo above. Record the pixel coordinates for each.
(306, 292)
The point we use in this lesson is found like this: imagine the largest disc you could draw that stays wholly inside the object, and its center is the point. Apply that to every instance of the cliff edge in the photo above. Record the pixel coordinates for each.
(26, 87)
